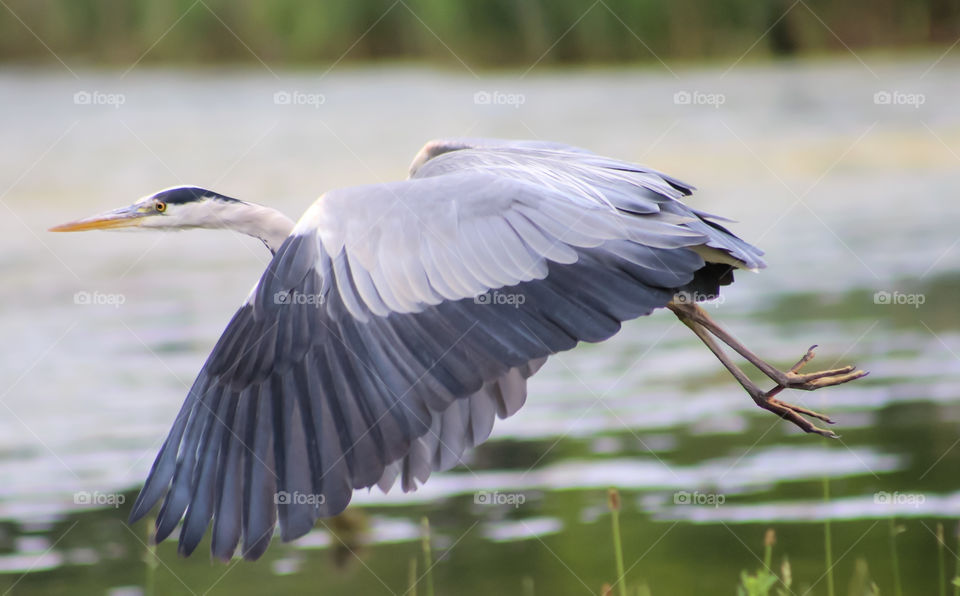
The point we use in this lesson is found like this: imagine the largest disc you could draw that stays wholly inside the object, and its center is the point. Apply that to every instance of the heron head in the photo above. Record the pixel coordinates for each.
(174, 208)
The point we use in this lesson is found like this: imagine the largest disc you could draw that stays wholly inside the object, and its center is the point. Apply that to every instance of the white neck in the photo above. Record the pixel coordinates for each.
(265, 223)
(269, 225)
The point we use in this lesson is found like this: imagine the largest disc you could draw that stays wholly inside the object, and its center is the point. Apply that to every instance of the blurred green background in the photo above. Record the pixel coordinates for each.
(479, 32)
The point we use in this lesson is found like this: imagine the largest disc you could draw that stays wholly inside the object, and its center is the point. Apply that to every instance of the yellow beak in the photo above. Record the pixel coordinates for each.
(125, 217)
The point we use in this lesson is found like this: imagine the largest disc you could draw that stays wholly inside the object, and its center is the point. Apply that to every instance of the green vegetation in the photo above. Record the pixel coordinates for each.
(476, 32)
(412, 577)
(763, 582)
(828, 542)
(150, 560)
(894, 561)
(941, 568)
(660, 558)
(613, 501)
(427, 554)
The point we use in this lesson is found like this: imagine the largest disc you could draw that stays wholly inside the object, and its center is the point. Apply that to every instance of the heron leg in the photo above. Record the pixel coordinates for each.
(694, 317)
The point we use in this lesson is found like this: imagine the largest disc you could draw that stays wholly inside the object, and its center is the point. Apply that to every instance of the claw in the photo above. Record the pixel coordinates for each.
(806, 358)
(826, 378)
(792, 413)
(804, 411)
(807, 382)
(839, 380)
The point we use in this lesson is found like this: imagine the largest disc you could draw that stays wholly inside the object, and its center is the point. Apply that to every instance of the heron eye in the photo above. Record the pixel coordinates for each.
(161, 206)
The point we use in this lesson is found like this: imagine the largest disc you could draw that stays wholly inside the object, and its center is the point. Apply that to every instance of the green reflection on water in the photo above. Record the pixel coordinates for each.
(672, 557)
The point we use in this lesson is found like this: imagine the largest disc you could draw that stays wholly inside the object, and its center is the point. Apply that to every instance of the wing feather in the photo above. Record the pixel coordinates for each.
(399, 320)
(227, 513)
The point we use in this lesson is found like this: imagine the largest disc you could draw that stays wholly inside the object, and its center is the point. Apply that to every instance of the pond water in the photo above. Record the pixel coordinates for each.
(853, 198)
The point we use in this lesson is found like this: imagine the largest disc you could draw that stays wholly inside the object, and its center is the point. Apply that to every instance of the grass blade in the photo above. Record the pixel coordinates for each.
(427, 555)
(613, 500)
(828, 540)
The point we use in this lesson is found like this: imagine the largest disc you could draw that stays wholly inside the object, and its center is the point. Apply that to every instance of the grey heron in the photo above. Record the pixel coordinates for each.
(397, 321)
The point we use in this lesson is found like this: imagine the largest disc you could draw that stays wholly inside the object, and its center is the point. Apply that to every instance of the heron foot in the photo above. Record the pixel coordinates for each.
(794, 414)
(793, 379)
(706, 329)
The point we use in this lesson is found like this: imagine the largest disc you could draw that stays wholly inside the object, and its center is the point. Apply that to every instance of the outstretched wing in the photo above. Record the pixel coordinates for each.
(398, 319)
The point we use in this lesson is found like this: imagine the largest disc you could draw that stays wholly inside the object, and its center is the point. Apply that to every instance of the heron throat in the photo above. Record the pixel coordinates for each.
(264, 223)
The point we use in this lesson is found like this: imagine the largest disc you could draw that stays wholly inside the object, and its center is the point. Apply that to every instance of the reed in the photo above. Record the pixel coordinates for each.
(613, 501)
(427, 554)
(828, 541)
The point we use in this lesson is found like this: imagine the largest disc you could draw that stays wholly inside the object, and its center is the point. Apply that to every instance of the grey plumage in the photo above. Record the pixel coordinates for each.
(398, 320)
